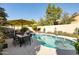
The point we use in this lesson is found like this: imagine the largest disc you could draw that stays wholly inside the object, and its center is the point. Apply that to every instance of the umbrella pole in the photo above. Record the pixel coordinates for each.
(14, 31)
(22, 24)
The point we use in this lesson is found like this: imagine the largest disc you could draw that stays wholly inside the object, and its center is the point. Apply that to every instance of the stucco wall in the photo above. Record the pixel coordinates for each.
(69, 28)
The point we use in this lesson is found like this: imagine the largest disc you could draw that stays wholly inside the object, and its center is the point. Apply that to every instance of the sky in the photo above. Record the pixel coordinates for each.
(34, 10)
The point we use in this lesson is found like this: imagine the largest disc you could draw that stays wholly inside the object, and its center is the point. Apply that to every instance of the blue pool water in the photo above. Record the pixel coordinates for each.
(54, 42)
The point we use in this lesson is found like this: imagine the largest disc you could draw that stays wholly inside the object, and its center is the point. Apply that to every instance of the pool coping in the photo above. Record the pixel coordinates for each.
(61, 36)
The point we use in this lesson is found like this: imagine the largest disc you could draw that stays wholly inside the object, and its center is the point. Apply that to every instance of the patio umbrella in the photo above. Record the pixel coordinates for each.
(19, 22)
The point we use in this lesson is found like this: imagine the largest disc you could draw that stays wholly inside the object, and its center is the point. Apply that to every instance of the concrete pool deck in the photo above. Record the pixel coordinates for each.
(28, 50)
(33, 50)
(46, 51)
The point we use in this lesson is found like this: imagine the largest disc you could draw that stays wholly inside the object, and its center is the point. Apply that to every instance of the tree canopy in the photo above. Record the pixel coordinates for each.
(3, 16)
(67, 18)
(53, 13)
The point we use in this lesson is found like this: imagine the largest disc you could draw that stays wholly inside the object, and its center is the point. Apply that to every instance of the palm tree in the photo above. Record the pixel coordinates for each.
(67, 19)
(75, 14)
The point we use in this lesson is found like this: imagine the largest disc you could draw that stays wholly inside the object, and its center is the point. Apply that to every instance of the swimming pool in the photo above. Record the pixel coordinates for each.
(54, 41)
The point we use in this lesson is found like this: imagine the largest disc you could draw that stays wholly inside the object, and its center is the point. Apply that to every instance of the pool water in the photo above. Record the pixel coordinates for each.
(54, 42)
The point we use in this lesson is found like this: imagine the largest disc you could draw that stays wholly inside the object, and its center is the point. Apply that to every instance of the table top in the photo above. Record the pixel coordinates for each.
(21, 35)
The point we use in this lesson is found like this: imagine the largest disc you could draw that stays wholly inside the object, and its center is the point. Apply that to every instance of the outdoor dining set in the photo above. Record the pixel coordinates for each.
(22, 38)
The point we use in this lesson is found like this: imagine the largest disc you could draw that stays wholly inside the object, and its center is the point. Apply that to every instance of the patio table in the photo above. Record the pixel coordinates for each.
(21, 36)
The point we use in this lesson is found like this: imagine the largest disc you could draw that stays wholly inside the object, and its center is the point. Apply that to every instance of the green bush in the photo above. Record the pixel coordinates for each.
(59, 32)
(1, 45)
(2, 42)
(76, 45)
(76, 31)
(1, 48)
(67, 34)
(24, 29)
(2, 38)
(34, 27)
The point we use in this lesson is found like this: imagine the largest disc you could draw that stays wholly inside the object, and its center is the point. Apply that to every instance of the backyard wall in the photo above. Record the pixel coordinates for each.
(16, 27)
(69, 28)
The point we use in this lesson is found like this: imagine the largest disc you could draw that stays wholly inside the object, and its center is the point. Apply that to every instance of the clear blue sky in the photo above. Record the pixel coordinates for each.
(34, 11)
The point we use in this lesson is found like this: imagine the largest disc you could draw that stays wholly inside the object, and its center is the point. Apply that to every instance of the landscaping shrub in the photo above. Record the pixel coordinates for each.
(76, 31)
(2, 37)
(59, 32)
(76, 45)
(24, 29)
(66, 34)
(3, 31)
(1, 47)
(34, 27)
(2, 41)
(50, 33)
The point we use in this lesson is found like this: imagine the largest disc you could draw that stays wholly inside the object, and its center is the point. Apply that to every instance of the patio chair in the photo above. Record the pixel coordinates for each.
(21, 41)
(27, 37)
(15, 39)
